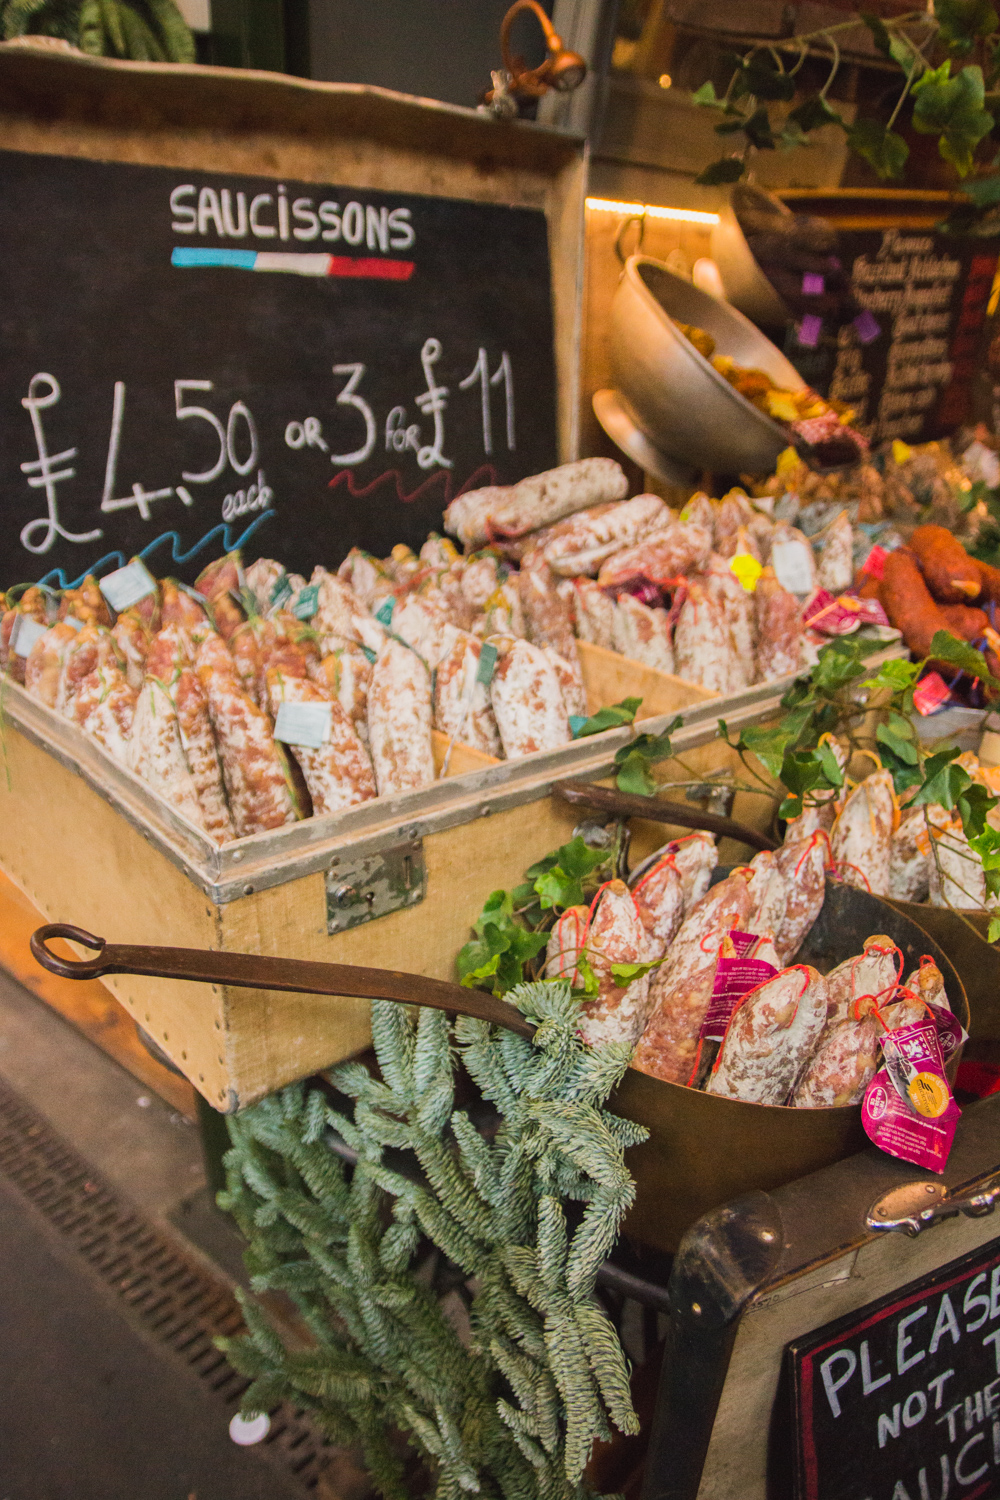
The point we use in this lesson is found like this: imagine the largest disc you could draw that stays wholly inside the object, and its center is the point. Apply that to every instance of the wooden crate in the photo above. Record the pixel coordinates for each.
(89, 843)
(83, 853)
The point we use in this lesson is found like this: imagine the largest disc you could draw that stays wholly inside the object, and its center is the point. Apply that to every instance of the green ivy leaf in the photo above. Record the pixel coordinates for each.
(496, 957)
(761, 76)
(590, 987)
(943, 780)
(882, 149)
(839, 663)
(947, 647)
(897, 676)
(632, 761)
(757, 129)
(613, 716)
(626, 973)
(952, 108)
(770, 743)
(962, 21)
(880, 34)
(729, 169)
(902, 747)
(994, 933)
(814, 112)
(831, 765)
(706, 96)
(973, 804)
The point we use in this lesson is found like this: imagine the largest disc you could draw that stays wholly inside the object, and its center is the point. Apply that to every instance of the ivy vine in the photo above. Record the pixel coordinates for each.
(960, 107)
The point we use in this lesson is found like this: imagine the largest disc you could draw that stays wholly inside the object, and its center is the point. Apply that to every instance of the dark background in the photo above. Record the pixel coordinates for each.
(91, 298)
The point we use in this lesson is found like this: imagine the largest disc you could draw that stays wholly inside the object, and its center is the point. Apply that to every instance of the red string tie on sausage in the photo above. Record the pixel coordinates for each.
(668, 859)
(697, 1060)
(581, 943)
(814, 837)
(744, 998)
(846, 865)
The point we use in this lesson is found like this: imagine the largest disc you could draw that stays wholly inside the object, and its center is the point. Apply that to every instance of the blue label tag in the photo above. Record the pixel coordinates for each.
(307, 603)
(576, 723)
(281, 590)
(384, 612)
(487, 664)
(371, 655)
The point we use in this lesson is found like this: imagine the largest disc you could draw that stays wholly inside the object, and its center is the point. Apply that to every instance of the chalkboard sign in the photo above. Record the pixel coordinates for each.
(901, 1400)
(190, 361)
(908, 370)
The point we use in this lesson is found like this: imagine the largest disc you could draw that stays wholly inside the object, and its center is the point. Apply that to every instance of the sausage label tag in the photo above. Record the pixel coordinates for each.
(306, 724)
(25, 633)
(793, 564)
(307, 603)
(384, 612)
(908, 1109)
(281, 591)
(487, 664)
(735, 976)
(126, 586)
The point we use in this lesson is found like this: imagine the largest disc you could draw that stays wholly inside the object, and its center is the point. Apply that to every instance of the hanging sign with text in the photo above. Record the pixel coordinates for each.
(193, 359)
(901, 1400)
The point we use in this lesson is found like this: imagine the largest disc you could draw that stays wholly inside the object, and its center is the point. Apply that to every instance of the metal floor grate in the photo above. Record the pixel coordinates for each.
(171, 1296)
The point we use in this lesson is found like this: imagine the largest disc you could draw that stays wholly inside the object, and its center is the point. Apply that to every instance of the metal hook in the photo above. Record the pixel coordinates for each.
(639, 219)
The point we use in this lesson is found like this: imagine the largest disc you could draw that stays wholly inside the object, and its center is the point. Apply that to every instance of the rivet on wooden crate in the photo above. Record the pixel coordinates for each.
(485, 812)
(248, 890)
(184, 1056)
(166, 1037)
(237, 856)
(201, 1078)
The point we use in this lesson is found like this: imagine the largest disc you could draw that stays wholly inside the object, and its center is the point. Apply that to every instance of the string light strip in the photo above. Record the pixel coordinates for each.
(651, 211)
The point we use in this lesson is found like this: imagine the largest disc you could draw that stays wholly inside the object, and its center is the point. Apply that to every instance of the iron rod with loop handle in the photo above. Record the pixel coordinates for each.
(259, 972)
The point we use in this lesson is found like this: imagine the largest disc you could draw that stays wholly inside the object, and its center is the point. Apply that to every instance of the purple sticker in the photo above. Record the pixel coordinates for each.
(809, 330)
(735, 976)
(908, 1109)
(866, 327)
(813, 285)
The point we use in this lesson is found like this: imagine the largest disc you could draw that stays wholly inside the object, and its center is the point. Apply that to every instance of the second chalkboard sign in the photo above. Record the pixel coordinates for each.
(901, 1399)
(193, 359)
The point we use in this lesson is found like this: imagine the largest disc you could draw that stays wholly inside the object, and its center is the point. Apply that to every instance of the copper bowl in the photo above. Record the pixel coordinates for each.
(703, 1150)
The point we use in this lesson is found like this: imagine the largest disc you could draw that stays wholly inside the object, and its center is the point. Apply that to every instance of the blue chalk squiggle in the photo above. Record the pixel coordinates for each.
(56, 578)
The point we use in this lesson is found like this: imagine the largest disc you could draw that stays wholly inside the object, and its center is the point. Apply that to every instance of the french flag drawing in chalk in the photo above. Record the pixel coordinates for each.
(294, 263)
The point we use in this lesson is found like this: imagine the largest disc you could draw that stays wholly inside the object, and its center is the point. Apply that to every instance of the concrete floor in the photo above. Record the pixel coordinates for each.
(152, 1156)
(145, 1149)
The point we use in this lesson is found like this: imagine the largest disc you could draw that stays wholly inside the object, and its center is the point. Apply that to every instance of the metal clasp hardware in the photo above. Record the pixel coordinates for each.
(918, 1205)
(358, 890)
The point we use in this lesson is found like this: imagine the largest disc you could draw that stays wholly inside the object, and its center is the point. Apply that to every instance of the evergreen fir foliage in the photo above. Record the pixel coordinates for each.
(525, 1219)
(142, 30)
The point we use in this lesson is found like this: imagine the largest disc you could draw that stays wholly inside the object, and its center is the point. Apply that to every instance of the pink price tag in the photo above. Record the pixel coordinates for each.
(870, 611)
(809, 330)
(950, 1031)
(874, 563)
(832, 616)
(735, 976)
(908, 1109)
(931, 694)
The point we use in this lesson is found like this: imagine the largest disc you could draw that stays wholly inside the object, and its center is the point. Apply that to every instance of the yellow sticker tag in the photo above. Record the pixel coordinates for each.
(901, 452)
(929, 1094)
(747, 570)
(788, 459)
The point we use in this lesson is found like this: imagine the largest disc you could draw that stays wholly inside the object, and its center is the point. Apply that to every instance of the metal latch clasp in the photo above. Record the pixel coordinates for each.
(919, 1205)
(373, 885)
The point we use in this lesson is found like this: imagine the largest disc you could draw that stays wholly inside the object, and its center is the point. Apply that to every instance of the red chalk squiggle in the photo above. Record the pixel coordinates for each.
(486, 474)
